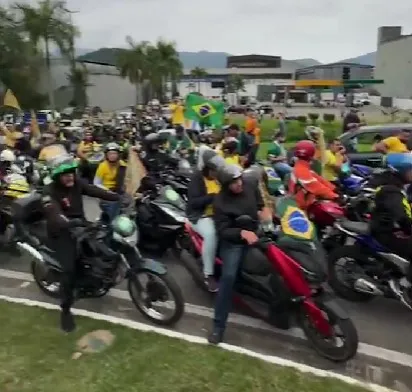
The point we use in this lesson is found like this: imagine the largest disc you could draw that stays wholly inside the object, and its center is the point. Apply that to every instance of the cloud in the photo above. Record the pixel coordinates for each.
(327, 30)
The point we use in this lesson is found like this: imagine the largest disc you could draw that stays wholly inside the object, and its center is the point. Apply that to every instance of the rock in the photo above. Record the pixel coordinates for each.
(95, 342)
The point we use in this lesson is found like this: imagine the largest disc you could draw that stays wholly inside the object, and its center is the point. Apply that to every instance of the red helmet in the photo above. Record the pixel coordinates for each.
(305, 150)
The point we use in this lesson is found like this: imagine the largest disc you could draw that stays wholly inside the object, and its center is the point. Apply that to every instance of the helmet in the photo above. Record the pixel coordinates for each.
(228, 173)
(152, 138)
(62, 164)
(7, 156)
(305, 150)
(212, 160)
(399, 162)
(16, 186)
(112, 147)
(313, 132)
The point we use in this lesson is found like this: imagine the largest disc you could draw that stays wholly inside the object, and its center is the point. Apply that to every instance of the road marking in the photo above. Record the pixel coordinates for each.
(199, 340)
(369, 350)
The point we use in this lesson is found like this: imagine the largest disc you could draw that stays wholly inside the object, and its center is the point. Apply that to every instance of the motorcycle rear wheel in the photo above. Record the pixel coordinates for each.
(324, 346)
(46, 279)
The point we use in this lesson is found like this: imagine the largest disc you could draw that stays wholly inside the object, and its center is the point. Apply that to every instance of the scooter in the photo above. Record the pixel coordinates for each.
(273, 275)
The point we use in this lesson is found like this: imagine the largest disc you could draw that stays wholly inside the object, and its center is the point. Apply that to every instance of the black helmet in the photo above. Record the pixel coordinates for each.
(152, 138)
(228, 173)
(209, 159)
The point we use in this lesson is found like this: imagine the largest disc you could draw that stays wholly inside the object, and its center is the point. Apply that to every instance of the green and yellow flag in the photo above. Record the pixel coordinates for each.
(204, 111)
(10, 100)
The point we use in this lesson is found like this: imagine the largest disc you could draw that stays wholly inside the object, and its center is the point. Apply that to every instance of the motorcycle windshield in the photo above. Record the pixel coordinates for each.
(167, 195)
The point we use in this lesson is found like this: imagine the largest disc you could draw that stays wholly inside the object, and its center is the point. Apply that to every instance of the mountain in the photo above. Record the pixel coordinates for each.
(365, 59)
(190, 60)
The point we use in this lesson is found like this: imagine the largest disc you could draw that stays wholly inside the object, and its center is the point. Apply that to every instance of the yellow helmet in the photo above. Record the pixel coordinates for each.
(16, 186)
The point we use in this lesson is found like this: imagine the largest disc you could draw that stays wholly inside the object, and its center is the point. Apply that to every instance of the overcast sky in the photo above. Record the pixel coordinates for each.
(327, 30)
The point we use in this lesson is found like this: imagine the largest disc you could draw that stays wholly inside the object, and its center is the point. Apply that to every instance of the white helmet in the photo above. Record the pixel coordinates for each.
(7, 156)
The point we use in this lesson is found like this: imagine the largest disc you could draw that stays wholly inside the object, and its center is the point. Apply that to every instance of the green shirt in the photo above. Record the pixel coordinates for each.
(177, 144)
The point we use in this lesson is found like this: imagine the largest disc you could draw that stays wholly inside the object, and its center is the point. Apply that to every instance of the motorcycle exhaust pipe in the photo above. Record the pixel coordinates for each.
(29, 249)
(365, 286)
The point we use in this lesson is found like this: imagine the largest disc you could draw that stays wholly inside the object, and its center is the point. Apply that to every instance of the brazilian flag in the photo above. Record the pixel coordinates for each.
(204, 111)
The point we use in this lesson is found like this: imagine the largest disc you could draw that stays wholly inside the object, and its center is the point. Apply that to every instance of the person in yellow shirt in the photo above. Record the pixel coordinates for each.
(177, 110)
(230, 151)
(110, 174)
(334, 159)
(394, 144)
(84, 150)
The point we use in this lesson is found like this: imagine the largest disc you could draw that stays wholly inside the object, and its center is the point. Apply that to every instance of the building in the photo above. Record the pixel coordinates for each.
(334, 71)
(394, 62)
(263, 76)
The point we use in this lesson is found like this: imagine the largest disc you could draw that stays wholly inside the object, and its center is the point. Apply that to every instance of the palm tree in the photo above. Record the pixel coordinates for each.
(78, 79)
(235, 83)
(198, 73)
(133, 64)
(49, 23)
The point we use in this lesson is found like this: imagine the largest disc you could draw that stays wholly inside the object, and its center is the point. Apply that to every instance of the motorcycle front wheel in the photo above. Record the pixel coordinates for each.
(342, 345)
(46, 279)
(158, 298)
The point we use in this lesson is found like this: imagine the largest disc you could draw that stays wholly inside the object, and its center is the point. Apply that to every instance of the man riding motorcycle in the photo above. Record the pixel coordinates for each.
(63, 206)
(236, 198)
(86, 147)
(229, 151)
(121, 140)
(304, 183)
(7, 158)
(392, 212)
(154, 158)
(110, 175)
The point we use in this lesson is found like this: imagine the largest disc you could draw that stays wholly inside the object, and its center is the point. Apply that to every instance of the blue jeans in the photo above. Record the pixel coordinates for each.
(206, 228)
(282, 168)
(232, 255)
(110, 209)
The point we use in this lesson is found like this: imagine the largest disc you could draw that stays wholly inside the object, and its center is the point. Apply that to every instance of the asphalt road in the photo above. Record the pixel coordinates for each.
(381, 323)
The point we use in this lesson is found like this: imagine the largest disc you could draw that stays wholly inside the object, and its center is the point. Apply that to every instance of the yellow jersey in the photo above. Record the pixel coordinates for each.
(393, 145)
(331, 160)
(212, 186)
(107, 174)
(178, 117)
(87, 147)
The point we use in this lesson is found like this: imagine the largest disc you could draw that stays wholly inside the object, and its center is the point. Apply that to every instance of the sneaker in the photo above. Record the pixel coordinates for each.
(211, 284)
(403, 293)
(215, 337)
(67, 323)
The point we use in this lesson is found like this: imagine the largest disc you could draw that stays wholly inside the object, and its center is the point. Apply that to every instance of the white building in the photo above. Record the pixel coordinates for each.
(394, 62)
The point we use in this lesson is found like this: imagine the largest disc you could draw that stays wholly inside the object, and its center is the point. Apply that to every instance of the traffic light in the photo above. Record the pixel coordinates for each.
(346, 73)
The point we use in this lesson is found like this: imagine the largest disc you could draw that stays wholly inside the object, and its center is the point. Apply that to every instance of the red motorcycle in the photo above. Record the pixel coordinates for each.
(288, 276)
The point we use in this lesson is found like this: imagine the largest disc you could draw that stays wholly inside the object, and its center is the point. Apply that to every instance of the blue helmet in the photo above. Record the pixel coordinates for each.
(399, 162)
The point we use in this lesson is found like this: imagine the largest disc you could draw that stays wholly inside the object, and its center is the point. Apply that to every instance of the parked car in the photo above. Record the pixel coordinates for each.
(355, 140)
(267, 109)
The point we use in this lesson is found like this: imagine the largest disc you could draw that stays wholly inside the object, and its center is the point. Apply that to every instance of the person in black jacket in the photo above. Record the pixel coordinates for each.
(392, 213)
(237, 197)
(63, 206)
(202, 190)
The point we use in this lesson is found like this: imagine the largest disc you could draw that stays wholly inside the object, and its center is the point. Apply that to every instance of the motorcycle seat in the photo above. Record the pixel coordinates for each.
(355, 227)
(255, 262)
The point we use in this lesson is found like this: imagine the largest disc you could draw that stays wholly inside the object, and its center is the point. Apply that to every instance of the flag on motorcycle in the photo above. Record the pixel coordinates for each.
(294, 221)
(204, 111)
(10, 100)
(135, 172)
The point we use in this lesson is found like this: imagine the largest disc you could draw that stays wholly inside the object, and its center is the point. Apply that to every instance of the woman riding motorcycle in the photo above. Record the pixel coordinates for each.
(307, 186)
(202, 189)
(110, 175)
(63, 207)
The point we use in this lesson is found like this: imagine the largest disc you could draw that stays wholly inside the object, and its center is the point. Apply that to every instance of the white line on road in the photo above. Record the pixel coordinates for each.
(198, 340)
(369, 350)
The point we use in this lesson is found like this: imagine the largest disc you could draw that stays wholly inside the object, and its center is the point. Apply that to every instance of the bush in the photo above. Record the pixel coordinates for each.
(313, 117)
(328, 117)
(302, 119)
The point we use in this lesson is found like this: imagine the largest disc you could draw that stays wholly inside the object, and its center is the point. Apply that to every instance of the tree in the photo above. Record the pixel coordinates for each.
(132, 64)
(19, 63)
(235, 83)
(78, 79)
(198, 73)
(49, 23)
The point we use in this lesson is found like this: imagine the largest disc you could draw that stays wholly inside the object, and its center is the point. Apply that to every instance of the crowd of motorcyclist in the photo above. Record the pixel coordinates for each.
(218, 192)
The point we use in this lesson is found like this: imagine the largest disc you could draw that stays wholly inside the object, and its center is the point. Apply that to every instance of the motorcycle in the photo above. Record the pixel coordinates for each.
(160, 216)
(108, 255)
(361, 271)
(287, 275)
